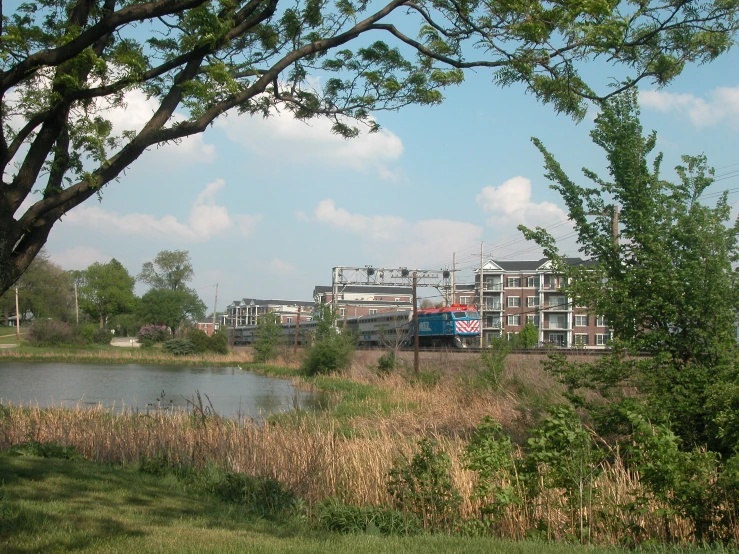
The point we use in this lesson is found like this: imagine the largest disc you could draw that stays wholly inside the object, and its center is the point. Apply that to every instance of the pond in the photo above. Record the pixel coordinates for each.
(231, 391)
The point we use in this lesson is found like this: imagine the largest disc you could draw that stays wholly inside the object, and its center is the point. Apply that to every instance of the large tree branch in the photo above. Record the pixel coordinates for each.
(108, 24)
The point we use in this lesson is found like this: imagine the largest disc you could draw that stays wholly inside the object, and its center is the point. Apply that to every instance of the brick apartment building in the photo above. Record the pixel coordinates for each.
(519, 291)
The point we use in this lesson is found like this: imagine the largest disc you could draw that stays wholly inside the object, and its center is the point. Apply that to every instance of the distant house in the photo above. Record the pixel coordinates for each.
(360, 300)
(248, 310)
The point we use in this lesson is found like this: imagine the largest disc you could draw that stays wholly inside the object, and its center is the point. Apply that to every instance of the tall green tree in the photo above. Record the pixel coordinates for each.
(63, 63)
(665, 281)
(172, 308)
(268, 333)
(106, 290)
(170, 270)
(44, 291)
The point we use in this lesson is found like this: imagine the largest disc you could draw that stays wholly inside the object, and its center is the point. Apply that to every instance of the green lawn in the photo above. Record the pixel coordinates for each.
(55, 505)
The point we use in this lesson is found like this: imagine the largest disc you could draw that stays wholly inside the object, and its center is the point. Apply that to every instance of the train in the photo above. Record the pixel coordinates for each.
(455, 326)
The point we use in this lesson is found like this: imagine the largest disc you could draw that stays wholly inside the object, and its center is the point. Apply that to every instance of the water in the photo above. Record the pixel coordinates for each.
(233, 392)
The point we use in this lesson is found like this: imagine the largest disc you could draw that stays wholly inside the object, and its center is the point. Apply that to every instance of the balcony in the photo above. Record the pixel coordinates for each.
(554, 285)
(493, 307)
(556, 325)
(556, 306)
(493, 324)
(492, 286)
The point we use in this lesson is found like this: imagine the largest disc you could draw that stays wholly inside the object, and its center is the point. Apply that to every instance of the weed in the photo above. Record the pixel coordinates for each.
(333, 515)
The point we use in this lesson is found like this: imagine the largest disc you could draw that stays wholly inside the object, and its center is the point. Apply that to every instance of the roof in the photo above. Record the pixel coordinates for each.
(529, 265)
(376, 289)
(258, 302)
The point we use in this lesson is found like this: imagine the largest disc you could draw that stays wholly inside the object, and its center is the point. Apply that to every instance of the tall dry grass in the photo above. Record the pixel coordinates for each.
(317, 462)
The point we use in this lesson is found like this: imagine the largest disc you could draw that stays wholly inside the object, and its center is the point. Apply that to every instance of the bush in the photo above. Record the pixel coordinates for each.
(329, 355)
(179, 347)
(151, 334)
(335, 516)
(423, 486)
(101, 336)
(219, 343)
(199, 339)
(48, 332)
(44, 450)
(386, 363)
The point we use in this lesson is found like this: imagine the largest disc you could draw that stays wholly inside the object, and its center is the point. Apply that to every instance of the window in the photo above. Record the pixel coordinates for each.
(372, 312)
(533, 319)
(557, 302)
(342, 311)
(581, 340)
(397, 299)
(532, 301)
(464, 299)
(581, 321)
(532, 282)
(492, 322)
(514, 282)
(601, 340)
(513, 320)
(289, 320)
(600, 321)
(514, 301)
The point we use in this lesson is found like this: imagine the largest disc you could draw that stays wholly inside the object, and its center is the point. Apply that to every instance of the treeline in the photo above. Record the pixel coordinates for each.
(91, 305)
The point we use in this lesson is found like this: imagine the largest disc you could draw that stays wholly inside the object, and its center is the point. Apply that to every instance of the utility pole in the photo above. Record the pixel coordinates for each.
(482, 302)
(18, 316)
(215, 310)
(415, 325)
(297, 330)
(76, 304)
(454, 271)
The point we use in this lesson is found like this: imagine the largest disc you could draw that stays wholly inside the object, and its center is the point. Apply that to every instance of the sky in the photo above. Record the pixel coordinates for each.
(266, 207)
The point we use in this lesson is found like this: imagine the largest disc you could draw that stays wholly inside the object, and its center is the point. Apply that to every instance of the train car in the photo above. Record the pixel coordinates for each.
(456, 326)
(388, 329)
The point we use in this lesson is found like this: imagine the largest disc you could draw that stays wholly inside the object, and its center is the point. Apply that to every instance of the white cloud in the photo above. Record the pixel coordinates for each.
(207, 219)
(378, 226)
(281, 267)
(510, 204)
(79, 257)
(721, 104)
(397, 241)
(138, 110)
(284, 138)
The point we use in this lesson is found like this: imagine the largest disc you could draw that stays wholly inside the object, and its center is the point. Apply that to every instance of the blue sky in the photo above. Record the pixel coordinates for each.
(267, 207)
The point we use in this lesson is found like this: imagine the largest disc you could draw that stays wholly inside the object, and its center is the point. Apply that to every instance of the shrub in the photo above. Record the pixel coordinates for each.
(87, 332)
(423, 486)
(338, 517)
(44, 450)
(48, 332)
(218, 343)
(101, 336)
(386, 363)
(179, 347)
(199, 339)
(151, 334)
(329, 355)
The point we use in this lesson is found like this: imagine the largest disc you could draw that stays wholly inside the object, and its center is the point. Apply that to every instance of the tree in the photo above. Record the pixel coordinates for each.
(529, 336)
(170, 307)
(169, 270)
(268, 334)
(107, 289)
(65, 63)
(44, 290)
(664, 282)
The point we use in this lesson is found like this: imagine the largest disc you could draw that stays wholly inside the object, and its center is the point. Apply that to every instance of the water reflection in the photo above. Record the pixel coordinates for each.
(230, 391)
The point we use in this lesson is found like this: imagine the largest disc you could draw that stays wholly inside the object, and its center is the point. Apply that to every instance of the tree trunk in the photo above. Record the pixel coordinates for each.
(102, 322)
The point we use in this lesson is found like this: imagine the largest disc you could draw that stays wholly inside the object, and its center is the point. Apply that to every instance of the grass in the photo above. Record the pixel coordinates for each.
(53, 505)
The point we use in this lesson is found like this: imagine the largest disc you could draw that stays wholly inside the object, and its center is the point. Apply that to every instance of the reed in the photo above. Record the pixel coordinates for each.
(315, 461)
